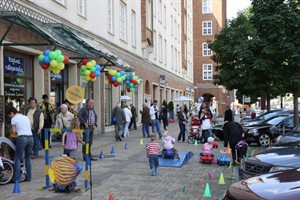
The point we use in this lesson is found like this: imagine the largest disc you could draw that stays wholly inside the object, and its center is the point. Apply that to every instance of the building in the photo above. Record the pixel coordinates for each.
(208, 19)
(144, 37)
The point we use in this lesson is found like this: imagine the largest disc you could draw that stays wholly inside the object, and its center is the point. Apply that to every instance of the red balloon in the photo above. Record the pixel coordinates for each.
(135, 82)
(116, 84)
(84, 61)
(110, 81)
(128, 90)
(44, 66)
(92, 75)
(66, 60)
(79, 65)
(108, 76)
(131, 81)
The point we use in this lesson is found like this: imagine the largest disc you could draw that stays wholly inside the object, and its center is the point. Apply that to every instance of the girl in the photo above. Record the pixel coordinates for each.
(70, 139)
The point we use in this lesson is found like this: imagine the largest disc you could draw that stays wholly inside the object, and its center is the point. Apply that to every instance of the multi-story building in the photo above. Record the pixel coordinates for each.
(146, 37)
(208, 19)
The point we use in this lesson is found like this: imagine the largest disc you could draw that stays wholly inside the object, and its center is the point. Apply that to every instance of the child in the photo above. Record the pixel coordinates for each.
(205, 121)
(70, 139)
(168, 143)
(153, 149)
(207, 147)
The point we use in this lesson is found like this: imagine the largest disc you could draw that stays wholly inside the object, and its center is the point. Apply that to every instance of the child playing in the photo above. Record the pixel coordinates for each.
(207, 147)
(70, 139)
(153, 149)
(168, 143)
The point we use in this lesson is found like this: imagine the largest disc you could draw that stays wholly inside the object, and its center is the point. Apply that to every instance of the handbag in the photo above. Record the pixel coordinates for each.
(113, 120)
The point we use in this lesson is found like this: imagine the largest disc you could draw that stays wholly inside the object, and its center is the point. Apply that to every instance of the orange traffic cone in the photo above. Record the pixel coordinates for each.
(110, 197)
(228, 151)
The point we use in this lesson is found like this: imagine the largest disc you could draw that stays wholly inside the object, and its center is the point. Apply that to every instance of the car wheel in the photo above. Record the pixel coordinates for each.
(264, 140)
(191, 140)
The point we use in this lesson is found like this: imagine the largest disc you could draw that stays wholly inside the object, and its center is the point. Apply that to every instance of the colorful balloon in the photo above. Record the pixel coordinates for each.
(66, 59)
(53, 55)
(46, 52)
(60, 58)
(53, 63)
(84, 61)
(41, 58)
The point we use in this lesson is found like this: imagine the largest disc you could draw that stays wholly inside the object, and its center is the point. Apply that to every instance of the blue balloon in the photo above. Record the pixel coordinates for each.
(122, 73)
(113, 78)
(135, 86)
(98, 73)
(98, 67)
(120, 83)
(127, 82)
(47, 60)
(40, 63)
(46, 52)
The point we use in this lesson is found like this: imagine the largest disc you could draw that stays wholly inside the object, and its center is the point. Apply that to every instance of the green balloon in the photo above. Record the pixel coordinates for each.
(41, 58)
(60, 58)
(93, 69)
(118, 74)
(82, 73)
(83, 68)
(58, 52)
(53, 55)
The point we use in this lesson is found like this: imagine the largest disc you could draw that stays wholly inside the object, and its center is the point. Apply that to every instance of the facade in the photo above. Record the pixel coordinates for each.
(208, 19)
(145, 37)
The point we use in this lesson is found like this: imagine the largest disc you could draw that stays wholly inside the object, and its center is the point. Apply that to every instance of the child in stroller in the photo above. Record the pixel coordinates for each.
(194, 131)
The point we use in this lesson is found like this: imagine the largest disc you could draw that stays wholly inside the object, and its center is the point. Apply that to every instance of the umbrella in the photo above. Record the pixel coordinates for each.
(182, 98)
(125, 98)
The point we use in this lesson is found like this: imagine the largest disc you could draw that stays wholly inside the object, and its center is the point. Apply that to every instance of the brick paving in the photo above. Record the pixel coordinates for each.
(127, 175)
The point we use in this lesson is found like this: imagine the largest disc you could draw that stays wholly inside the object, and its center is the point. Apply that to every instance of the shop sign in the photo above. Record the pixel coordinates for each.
(75, 94)
(13, 65)
(13, 87)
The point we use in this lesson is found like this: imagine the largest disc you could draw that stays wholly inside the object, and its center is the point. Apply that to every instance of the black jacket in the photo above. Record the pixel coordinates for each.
(233, 133)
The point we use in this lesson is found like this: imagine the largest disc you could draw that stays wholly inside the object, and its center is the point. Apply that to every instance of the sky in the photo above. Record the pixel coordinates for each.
(233, 6)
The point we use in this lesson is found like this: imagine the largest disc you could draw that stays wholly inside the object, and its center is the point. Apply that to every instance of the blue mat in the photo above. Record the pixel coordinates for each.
(184, 157)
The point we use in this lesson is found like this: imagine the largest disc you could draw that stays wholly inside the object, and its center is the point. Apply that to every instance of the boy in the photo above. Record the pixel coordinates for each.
(153, 149)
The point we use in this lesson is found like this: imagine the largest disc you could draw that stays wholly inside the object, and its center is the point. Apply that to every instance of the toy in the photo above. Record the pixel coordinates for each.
(215, 145)
(223, 160)
(168, 154)
(206, 159)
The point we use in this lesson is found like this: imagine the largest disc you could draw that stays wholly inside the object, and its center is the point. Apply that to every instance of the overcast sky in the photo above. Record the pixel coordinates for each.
(233, 6)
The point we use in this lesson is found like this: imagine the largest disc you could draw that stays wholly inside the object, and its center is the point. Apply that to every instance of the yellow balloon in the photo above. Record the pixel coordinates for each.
(87, 78)
(56, 71)
(89, 65)
(53, 63)
(110, 72)
(94, 62)
(87, 72)
(94, 79)
(60, 66)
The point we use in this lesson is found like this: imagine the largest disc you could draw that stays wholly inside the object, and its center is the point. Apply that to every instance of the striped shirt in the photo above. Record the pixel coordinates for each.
(153, 148)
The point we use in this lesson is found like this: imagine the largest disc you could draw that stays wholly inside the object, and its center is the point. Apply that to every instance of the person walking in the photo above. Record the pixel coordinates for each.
(36, 118)
(133, 118)
(128, 116)
(88, 120)
(233, 133)
(182, 120)
(228, 117)
(120, 120)
(20, 124)
(164, 116)
(152, 150)
(154, 114)
(63, 119)
(145, 120)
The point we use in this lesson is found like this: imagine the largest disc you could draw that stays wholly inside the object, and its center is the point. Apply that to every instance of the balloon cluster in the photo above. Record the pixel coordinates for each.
(53, 60)
(132, 82)
(90, 70)
(116, 77)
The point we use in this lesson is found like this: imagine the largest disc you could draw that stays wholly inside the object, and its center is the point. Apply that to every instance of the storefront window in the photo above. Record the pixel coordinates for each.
(59, 85)
(88, 90)
(107, 102)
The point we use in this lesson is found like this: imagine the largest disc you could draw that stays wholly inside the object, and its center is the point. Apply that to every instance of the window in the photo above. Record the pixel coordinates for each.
(154, 46)
(62, 2)
(165, 52)
(206, 6)
(154, 7)
(175, 59)
(159, 11)
(172, 30)
(172, 58)
(206, 28)
(207, 71)
(159, 48)
(175, 29)
(149, 14)
(178, 30)
(81, 7)
(122, 30)
(205, 50)
(133, 28)
(110, 16)
(165, 15)
(185, 56)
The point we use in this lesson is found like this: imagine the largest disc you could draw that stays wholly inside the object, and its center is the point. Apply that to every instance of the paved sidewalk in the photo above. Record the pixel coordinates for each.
(127, 175)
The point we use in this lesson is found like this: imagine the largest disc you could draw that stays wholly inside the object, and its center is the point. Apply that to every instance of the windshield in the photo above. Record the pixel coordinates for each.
(297, 128)
(275, 121)
(267, 116)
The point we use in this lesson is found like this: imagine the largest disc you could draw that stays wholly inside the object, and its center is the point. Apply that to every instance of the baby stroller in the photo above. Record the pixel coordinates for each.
(194, 131)
(7, 156)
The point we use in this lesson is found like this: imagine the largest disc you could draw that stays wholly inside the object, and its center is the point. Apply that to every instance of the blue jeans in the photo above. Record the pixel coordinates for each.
(145, 129)
(156, 127)
(153, 161)
(36, 144)
(23, 144)
(182, 132)
(126, 130)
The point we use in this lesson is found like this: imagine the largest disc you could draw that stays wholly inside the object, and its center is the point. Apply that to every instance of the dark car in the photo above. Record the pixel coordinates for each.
(273, 159)
(293, 136)
(265, 132)
(276, 186)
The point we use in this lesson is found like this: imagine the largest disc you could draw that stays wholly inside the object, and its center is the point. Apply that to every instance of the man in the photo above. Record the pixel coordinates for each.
(133, 118)
(48, 110)
(228, 115)
(88, 120)
(20, 124)
(145, 120)
(120, 120)
(36, 118)
(154, 114)
(233, 133)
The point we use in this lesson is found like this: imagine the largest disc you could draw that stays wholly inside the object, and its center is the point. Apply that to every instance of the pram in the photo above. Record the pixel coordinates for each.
(194, 131)
(63, 173)
(7, 155)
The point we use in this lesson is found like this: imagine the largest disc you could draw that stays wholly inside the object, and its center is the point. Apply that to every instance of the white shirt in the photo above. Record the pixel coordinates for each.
(22, 124)
(153, 111)
(128, 114)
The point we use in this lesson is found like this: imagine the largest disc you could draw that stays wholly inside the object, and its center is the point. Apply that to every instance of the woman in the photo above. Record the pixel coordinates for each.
(164, 116)
(64, 118)
(182, 120)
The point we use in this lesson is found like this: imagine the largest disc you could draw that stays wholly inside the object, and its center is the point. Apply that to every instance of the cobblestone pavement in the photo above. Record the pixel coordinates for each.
(127, 175)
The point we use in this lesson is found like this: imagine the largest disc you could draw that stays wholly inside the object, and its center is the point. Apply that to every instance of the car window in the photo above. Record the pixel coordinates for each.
(267, 116)
(289, 121)
(275, 120)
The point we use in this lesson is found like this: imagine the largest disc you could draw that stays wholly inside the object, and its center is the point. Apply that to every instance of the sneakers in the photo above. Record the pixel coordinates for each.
(153, 172)
(33, 157)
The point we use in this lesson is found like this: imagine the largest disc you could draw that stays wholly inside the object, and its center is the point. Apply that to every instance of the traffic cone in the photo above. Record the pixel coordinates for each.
(207, 191)
(110, 197)
(183, 189)
(221, 179)
(17, 188)
(228, 151)
(126, 146)
(101, 156)
(196, 142)
(112, 151)
(141, 142)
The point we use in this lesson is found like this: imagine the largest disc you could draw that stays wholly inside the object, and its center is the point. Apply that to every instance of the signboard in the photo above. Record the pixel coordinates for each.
(75, 94)
(13, 65)
(13, 87)
(247, 99)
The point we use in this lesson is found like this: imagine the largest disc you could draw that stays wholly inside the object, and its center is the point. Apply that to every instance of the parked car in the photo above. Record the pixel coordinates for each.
(273, 159)
(218, 131)
(293, 136)
(265, 132)
(276, 186)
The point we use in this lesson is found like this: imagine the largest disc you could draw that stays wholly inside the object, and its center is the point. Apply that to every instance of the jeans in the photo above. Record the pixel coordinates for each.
(153, 161)
(126, 130)
(156, 127)
(182, 132)
(36, 144)
(165, 123)
(23, 144)
(145, 129)
(91, 137)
